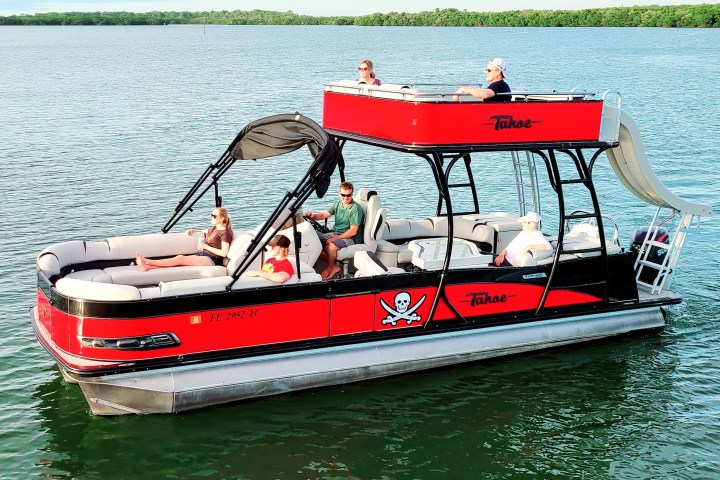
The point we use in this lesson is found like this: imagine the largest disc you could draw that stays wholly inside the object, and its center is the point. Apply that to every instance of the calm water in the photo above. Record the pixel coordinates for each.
(102, 130)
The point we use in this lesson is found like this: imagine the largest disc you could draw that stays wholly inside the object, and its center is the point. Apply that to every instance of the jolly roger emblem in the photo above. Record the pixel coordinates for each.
(402, 310)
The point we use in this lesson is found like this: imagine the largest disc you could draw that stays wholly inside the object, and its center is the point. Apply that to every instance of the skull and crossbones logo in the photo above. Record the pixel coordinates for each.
(402, 310)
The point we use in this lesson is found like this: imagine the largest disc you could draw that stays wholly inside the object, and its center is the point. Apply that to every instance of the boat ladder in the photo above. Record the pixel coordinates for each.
(667, 254)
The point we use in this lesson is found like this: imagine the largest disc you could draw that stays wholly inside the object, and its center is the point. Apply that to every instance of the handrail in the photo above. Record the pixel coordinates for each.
(616, 234)
(619, 104)
(415, 92)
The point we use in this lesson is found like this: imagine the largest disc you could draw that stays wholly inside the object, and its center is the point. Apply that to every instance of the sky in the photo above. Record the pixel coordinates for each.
(315, 7)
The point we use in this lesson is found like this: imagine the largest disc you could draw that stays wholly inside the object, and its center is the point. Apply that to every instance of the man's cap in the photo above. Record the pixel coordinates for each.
(531, 217)
(499, 63)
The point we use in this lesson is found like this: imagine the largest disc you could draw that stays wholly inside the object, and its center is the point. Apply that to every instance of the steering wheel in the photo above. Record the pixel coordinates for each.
(316, 225)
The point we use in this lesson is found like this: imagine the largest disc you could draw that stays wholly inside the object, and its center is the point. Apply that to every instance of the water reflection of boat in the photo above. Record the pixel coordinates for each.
(418, 293)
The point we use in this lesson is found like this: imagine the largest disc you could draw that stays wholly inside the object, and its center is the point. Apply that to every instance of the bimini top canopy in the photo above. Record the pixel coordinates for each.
(265, 138)
(280, 134)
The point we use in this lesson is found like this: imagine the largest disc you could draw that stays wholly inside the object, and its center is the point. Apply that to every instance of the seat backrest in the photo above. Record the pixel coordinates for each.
(369, 200)
(241, 240)
(310, 245)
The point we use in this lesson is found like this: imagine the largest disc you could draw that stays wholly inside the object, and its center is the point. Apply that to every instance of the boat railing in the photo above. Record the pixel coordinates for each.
(593, 223)
(610, 124)
(445, 92)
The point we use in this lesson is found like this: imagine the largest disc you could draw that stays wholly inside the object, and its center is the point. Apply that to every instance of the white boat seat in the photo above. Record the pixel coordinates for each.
(534, 257)
(584, 239)
(92, 275)
(310, 245)
(102, 291)
(131, 274)
(218, 284)
(53, 258)
(506, 226)
(368, 265)
(241, 241)
(395, 230)
(76, 288)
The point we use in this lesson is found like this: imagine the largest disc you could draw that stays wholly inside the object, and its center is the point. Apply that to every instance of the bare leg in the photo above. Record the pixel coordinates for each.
(326, 270)
(332, 266)
(146, 264)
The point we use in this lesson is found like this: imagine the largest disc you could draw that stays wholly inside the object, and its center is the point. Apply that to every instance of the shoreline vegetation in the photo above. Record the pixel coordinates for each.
(683, 16)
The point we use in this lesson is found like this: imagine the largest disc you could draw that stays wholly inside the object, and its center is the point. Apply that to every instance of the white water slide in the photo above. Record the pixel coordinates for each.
(633, 169)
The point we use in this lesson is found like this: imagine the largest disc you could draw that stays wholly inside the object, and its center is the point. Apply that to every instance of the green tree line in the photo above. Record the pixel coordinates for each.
(706, 15)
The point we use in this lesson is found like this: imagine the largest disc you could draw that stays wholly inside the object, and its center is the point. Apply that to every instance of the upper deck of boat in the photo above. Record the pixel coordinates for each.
(425, 118)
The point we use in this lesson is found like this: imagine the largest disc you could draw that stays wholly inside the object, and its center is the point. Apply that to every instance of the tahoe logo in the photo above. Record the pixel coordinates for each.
(504, 122)
(483, 298)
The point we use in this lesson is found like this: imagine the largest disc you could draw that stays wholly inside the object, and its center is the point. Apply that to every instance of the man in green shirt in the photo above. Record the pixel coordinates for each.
(347, 230)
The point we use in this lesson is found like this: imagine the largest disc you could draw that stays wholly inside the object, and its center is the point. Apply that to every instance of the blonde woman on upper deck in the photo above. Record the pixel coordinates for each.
(367, 73)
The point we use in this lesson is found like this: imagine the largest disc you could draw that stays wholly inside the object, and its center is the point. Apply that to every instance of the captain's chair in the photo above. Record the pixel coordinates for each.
(372, 228)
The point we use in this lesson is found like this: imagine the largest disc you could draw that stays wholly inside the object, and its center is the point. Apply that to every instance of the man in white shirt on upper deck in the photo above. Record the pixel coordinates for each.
(530, 238)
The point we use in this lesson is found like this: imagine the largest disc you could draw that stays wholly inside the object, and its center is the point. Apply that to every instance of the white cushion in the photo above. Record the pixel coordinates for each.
(423, 229)
(75, 252)
(396, 228)
(87, 290)
(439, 226)
(152, 245)
(149, 292)
(368, 265)
(500, 221)
(59, 255)
(218, 284)
(405, 254)
(93, 275)
(310, 245)
(131, 275)
(238, 247)
(97, 251)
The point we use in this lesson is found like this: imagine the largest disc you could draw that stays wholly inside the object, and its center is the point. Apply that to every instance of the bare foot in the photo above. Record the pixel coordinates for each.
(324, 273)
(140, 262)
(333, 271)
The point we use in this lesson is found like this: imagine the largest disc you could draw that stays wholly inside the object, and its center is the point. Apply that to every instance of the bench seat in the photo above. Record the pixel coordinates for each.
(78, 287)
(393, 250)
(131, 275)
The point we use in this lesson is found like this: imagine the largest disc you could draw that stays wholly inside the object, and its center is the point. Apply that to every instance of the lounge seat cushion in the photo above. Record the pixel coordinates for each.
(53, 258)
(500, 221)
(131, 275)
(152, 245)
(93, 275)
(400, 229)
(59, 255)
(218, 284)
(73, 287)
(580, 240)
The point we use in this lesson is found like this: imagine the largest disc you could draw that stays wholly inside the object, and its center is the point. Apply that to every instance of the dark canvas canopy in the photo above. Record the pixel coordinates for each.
(270, 137)
(280, 134)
